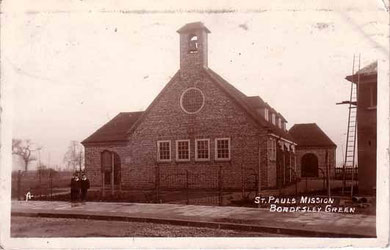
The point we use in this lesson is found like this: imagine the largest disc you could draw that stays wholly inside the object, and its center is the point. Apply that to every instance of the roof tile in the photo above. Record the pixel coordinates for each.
(309, 134)
(114, 130)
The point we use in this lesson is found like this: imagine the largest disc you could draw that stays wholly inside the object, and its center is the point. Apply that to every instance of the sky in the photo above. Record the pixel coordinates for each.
(70, 68)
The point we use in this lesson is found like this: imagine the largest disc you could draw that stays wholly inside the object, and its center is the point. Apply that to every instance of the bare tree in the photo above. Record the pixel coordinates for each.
(74, 156)
(24, 149)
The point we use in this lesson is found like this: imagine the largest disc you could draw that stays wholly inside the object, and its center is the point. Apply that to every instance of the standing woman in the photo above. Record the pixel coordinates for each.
(84, 187)
(74, 188)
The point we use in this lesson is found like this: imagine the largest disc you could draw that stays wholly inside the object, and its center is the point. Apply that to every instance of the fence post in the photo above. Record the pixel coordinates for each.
(19, 184)
(220, 185)
(328, 173)
(352, 175)
(242, 183)
(103, 181)
(306, 185)
(157, 183)
(40, 183)
(344, 184)
(187, 194)
(51, 185)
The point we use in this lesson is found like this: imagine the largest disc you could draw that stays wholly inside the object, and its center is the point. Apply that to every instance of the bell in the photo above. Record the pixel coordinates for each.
(193, 45)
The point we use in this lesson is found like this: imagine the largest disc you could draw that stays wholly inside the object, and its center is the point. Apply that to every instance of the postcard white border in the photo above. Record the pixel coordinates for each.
(19, 7)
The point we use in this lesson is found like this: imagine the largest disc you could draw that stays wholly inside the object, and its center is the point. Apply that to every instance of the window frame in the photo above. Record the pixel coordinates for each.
(280, 123)
(158, 151)
(273, 119)
(216, 149)
(272, 149)
(266, 114)
(177, 150)
(196, 150)
(182, 96)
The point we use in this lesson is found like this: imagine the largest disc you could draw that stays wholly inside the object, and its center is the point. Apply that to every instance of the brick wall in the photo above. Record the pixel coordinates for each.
(220, 117)
(366, 133)
(93, 161)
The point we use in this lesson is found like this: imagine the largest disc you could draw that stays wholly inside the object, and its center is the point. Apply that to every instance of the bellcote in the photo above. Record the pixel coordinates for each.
(193, 46)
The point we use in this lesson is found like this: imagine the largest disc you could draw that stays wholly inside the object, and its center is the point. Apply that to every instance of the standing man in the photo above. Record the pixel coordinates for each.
(74, 188)
(84, 187)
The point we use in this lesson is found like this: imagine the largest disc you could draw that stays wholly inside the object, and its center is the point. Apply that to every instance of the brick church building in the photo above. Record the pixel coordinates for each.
(199, 124)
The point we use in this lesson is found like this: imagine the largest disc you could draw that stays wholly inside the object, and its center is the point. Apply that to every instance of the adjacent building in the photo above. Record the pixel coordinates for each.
(366, 80)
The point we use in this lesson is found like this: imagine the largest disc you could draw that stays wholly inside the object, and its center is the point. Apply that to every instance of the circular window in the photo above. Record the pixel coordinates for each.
(192, 100)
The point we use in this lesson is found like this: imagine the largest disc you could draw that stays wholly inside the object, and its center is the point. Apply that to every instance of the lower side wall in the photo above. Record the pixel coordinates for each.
(240, 173)
(320, 153)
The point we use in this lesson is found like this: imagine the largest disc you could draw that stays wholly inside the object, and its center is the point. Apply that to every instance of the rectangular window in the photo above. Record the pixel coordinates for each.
(273, 119)
(222, 149)
(163, 150)
(272, 149)
(266, 115)
(280, 122)
(202, 149)
(183, 150)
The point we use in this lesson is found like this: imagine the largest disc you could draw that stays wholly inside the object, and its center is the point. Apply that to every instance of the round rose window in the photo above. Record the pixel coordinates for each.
(192, 100)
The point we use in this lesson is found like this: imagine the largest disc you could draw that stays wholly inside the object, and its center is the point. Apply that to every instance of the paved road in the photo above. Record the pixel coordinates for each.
(64, 227)
(298, 223)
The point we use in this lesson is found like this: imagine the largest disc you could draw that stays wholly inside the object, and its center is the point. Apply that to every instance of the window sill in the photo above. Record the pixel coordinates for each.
(180, 161)
(202, 160)
(222, 160)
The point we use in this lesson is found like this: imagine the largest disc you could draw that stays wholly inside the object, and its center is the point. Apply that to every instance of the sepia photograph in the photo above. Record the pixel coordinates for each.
(190, 125)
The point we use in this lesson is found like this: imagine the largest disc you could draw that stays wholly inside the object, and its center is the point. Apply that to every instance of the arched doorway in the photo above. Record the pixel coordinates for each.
(309, 164)
(110, 161)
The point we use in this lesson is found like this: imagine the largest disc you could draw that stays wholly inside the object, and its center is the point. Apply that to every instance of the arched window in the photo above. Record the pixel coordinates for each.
(193, 44)
(110, 161)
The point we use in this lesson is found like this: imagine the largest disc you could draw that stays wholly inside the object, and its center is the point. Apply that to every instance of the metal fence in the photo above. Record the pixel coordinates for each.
(44, 183)
(339, 173)
(190, 186)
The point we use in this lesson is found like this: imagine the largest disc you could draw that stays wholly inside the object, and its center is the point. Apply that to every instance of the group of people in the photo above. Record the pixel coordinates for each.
(79, 187)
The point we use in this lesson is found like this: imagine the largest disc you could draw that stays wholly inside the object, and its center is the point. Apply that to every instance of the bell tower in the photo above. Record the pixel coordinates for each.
(193, 46)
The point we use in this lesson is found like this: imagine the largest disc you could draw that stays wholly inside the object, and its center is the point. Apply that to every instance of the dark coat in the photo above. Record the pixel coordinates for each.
(75, 185)
(84, 184)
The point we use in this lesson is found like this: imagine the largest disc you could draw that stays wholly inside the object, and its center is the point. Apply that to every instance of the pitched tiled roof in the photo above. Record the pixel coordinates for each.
(115, 130)
(368, 72)
(369, 69)
(121, 126)
(256, 102)
(248, 104)
(309, 134)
